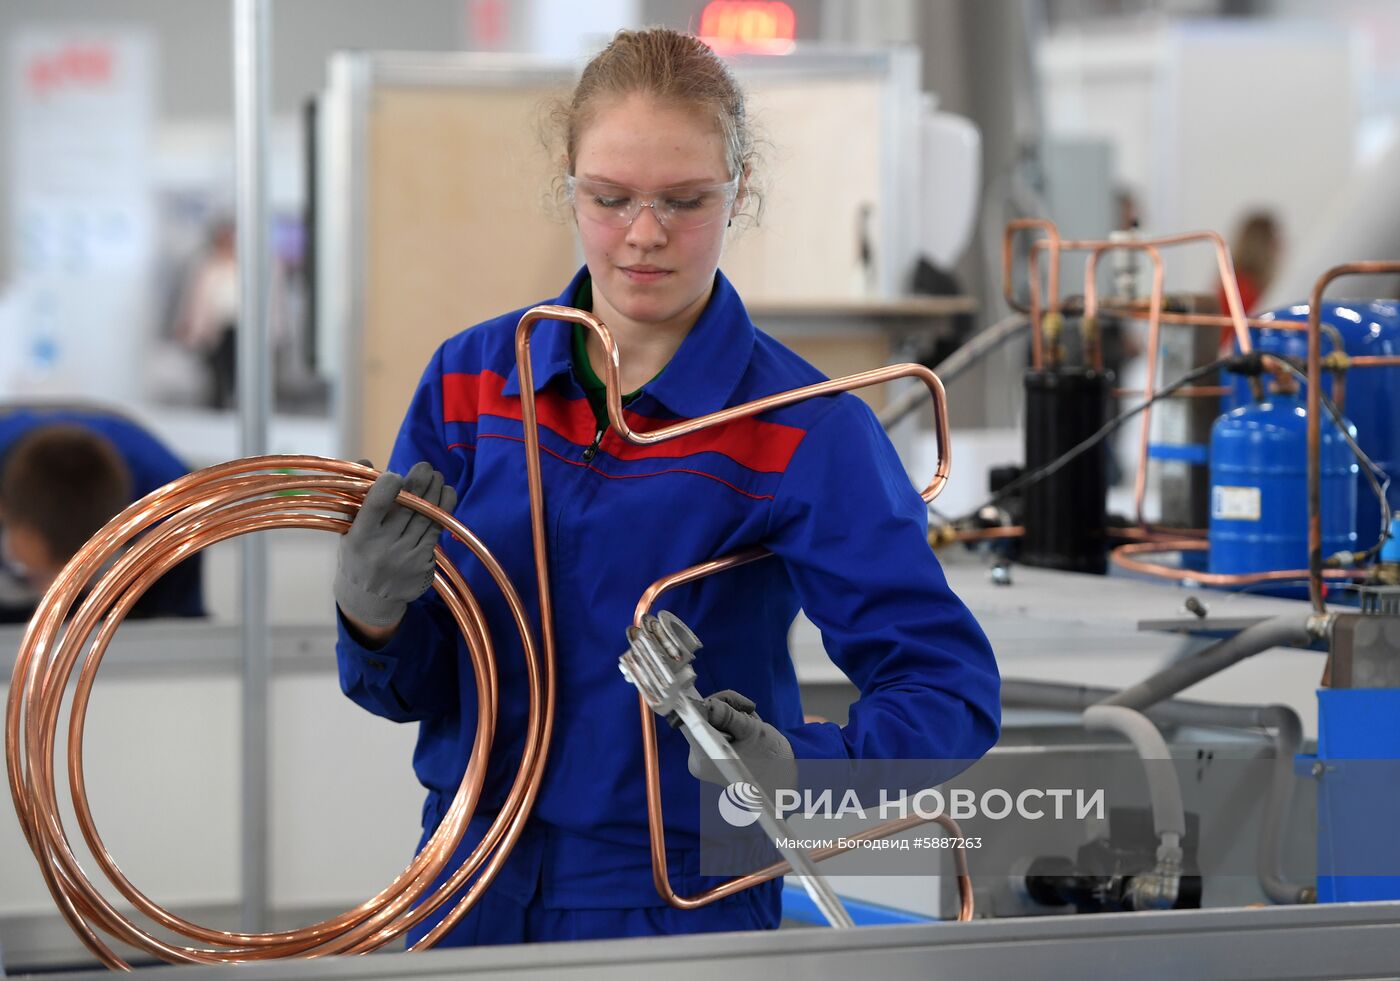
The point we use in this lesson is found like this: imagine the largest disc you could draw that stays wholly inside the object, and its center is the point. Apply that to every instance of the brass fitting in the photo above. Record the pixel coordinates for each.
(1052, 327)
(941, 535)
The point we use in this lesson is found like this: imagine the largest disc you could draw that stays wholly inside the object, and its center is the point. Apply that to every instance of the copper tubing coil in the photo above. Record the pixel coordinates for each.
(112, 570)
(162, 529)
(1124, 556)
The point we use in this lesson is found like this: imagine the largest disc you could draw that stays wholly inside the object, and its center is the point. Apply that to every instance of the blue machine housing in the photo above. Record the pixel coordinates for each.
(1258, 481)
(1358, 749)
(1368, 327)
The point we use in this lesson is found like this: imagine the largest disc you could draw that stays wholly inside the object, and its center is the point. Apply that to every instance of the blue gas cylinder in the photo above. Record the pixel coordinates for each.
(1259, 488)
(1368, 327)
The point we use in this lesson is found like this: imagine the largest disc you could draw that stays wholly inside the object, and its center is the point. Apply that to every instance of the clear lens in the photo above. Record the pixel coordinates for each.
(678, 208)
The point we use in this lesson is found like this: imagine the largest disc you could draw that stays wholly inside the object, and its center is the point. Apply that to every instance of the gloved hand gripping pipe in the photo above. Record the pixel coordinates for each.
(110, 572)
(658, 664)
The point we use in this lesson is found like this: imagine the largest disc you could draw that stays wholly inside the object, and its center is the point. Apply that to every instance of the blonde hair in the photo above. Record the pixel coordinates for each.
(671, 67)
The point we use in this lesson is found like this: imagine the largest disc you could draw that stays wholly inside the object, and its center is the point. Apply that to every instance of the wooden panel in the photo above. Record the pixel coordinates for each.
(818, 170)
(458, 228)
(458, 231)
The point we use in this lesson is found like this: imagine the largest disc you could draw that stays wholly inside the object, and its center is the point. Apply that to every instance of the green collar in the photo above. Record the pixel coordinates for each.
(583, 369)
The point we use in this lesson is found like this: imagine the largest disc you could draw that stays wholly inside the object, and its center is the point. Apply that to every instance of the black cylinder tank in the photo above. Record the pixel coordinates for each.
(1065, 513)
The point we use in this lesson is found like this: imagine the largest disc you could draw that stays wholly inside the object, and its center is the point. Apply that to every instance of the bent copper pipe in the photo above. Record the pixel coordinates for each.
(1125, 556)
(655, 817)
(1217, 320)
(1225, 266)
(618, 418)
(1314, 373)
(1154, 335)
(987, 534)
(1052, 241)
(1191, 392)
(656, 820)
(1057, 246)
(1008, 235)
(1153, 533)
(1096, 248)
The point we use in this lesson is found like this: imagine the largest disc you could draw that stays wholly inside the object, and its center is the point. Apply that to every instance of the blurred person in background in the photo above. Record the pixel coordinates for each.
(1255, 249)
(208, 318)
(64, 473)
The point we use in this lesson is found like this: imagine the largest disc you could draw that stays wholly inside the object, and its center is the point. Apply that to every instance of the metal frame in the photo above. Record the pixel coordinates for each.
(1282, 943)
(251, 84)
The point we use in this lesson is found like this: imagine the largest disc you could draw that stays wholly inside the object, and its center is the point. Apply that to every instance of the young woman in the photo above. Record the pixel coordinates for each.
(658, 156)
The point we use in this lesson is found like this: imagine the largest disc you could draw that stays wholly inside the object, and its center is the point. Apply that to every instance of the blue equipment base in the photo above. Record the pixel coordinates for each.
(1358, 797)
(798, 906)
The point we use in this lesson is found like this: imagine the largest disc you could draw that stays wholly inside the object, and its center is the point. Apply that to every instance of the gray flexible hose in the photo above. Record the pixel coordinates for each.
(977, 347)
(1290, 630)
(1288, 738)
(1168, 811)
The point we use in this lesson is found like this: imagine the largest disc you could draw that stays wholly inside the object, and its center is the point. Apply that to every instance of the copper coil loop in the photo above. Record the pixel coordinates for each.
(81, 611)
(141, 544)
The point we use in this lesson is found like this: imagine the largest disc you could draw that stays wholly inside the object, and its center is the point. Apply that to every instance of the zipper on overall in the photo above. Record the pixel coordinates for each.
(592, 450)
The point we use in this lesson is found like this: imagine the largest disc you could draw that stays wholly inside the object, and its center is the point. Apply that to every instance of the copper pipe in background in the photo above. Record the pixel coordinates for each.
(1315, 571)
(1135, 533)
(1034, 311)
(1036, 314)
(1057, 246)
(1191, 392)
(1154, 310)
(1154, 332)
(1008, 235)
(1125, 556)
(1217, 320)
(979, 535)
(1152, 533)
(1224, 265)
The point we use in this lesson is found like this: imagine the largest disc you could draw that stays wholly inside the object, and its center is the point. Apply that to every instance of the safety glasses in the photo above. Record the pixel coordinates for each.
(676, 208)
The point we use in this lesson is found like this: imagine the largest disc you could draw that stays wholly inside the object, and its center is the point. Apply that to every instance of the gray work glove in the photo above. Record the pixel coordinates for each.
(386, 558)
(764, 749)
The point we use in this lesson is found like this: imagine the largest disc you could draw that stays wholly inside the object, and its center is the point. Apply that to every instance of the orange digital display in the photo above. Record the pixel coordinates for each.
(748, 25)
